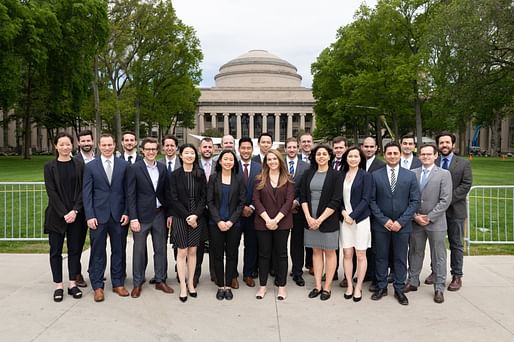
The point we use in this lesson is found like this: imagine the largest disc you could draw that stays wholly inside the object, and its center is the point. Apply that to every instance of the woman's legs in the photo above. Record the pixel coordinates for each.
(181, 270)
(330, 268)
(191, 265)
(362, 265)
(348, 268)
(317, 264)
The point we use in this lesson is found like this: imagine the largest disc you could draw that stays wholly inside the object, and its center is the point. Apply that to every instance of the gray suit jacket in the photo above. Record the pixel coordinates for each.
(435, 198)
(462, 179)
(301, 167)
(177, 164)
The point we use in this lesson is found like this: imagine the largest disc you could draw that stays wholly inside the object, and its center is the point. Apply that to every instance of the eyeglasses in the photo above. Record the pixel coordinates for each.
(151, 149)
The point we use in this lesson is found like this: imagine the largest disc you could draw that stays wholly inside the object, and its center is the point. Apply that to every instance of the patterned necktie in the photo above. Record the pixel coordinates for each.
(337, 165)
(393, 180)
(445, 163)
(207, 169)
(424, 178)
(245, 174)
(170, 168)
(108, 170)
(130, 159)
(291, 167)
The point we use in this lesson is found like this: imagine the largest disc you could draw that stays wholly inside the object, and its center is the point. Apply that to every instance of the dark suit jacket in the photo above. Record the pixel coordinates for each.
(415, 163)
(176, 165)
(255, 169)
(180, 195)
(398, 206)
(301, 168)
(331, 196)
(138, 158)
(78, 156)
(54, 213)
(101, 200)
(462, 179)
(257, 159)
(360, 195)
(141, 196)
(237, 197)
(274, 201)
(376, 164)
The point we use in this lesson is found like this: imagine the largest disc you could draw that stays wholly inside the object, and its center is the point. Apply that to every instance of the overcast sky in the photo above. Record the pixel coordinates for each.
(294, 30)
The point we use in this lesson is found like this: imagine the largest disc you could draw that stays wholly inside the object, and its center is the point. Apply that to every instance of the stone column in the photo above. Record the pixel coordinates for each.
(238, 125)
(277, 126)
(302, 121)
(213, 120)
(225, 123)
(251, 128)
(264, 122)
(289, 125)
(201, 123)
(313, 122)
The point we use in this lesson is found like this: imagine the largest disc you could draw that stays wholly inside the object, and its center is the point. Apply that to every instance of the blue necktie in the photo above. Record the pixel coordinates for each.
(424, 178)
(445, 163)
(291, 167)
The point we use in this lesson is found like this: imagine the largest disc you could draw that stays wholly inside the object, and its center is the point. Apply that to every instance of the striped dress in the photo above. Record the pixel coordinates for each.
(183, 236)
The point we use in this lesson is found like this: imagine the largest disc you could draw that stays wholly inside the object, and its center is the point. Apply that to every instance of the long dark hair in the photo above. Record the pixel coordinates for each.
(197, 171)
(235, 168)
(344, 158)
(312, 156)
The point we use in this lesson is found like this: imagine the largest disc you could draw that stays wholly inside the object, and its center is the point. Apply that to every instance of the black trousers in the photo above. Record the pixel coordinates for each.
(296, 246)
(74, 242)
(224, 244)
(273, 241)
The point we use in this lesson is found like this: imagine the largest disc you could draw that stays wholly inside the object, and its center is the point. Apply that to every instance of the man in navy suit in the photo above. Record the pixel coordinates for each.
(148, 196)
(106, 213)
(129, 143)
(265, 142)
(249, 170)
(395, 199)
(408, 160)
(296, 168)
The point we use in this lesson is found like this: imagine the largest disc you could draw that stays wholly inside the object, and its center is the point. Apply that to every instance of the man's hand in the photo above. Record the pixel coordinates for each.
(92, 223)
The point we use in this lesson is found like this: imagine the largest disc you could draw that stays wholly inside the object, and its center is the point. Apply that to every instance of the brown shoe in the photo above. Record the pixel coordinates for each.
(163, 287)
(456, 284)
(234, 284)
(99, 295)
(311, 271)
(344, 283)
(120, 291)
(430, 279)
(438, 297)
(79, 280)
(249, 281)
(136, 292)
(409, 288)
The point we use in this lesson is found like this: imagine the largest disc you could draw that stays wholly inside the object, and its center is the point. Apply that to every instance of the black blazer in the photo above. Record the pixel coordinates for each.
(54, 213)
(360, 195)
(237, 197)
(180, 195)
(331, 197)
(376, 164)
(141, 196)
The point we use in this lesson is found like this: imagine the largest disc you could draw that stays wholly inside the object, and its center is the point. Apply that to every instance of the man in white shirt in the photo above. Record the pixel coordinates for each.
(169, 146)
(128, 141)
(86, 146)
(306, 146)
(408, 160)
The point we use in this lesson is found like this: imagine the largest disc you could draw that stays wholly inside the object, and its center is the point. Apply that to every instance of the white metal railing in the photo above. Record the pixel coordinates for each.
(490, 215)
(22, 210)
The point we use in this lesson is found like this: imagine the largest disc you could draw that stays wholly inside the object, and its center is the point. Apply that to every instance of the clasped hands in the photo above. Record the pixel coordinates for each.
(225, 225)
(192, 221)
(313, 223)
(92, 223)
(346, 217)
(392, 226)
(272, 223)
(421, 219)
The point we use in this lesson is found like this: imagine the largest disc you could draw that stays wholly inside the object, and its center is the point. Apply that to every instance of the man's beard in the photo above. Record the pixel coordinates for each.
(86, 148)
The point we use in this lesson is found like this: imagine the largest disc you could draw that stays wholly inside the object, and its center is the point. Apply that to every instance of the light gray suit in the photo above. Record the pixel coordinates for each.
(436, 197)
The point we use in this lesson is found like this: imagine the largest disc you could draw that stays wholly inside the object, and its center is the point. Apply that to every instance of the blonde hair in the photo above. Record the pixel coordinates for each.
(283, 178)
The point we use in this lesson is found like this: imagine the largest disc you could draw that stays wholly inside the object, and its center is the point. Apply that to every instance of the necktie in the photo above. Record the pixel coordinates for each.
(405, 163)
(445, 163)
(108, 170)
(393, 180)
(245, 174)
(424, 178)
(130, 159)
(207, 169)
(170, 168)
(291, 167)
(337, 165)
(306, 159)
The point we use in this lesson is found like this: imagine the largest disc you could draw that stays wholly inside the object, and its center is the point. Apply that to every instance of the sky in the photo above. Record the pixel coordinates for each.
(294, 30)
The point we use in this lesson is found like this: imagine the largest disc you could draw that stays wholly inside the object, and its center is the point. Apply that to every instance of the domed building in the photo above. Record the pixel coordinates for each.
(254, 93)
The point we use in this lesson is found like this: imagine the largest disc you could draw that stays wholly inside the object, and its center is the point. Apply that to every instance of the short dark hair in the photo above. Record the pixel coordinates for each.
(107, 135)
(172, 137)
(206, 139)
(245, 139)
(235, 168)
(291, 139)
(128, 132)
(85, 133)
(392, 144)
(62, 135)
(445, 134)
(265, 134)
(407, 136)
(149, 140)
(429, 145)
(339, 139)
(312, 156)
(344, 158)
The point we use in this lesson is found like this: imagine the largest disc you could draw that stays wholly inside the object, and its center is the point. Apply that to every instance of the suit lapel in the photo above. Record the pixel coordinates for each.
(146, 173)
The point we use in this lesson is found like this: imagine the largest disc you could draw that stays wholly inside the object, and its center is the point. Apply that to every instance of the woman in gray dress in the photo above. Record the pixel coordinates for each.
(321, 199)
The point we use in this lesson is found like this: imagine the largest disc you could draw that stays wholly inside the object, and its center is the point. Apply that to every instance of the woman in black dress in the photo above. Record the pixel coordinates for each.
(226, 196)
(188, 199)
(64, 217)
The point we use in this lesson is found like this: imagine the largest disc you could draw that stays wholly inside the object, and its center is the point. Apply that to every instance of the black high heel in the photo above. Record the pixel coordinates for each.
(58, 295)
(183, 299)
(75, 292)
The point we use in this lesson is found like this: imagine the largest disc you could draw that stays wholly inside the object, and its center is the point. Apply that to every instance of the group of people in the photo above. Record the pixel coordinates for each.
(327, 198)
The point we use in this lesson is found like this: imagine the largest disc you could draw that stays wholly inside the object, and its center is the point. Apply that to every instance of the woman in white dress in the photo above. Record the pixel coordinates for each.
(355, 228)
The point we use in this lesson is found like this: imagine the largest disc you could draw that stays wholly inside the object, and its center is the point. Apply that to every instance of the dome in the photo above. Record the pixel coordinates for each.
(258, 68)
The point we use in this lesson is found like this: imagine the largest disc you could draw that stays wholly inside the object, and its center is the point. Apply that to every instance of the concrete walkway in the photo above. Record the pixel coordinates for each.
(483, 310)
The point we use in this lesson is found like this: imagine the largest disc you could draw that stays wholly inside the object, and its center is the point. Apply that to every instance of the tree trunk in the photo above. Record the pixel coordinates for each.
(117, 123)
(137, 123)
(6, 129)
(419, 124)
(378, 133)
(27, 136)
(96, 96)
(495, 137)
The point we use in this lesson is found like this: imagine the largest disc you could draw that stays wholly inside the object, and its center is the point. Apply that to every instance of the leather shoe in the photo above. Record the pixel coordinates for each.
(234, 284)
(456, 284)
(438, 297)
(220, 295)
(120, 291)
(343, 283)
(299, 280)
(99, 295)
(379, 294)
(79, 280)
(314, 293)
(373, 288)
(402, 299)
(325, 295)
(163, 287)
(409, 288)
(228, 294)
(430, 279)
(136, 292)
(311, 270)
(75, 292)
(249, 281)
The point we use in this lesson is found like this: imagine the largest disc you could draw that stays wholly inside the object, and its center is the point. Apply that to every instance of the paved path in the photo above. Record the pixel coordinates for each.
(483, 310)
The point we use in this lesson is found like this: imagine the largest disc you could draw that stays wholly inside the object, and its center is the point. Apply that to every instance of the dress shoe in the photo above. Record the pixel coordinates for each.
(402, 299)
(192, 294)
(299, 280)
(183, 299)
(120, 291)
(136, 292)
(79, 280)
(430, 279)
(438, 297)
(163, 287)
(75, 292)
(261, 293)
(58, 295)
(220, 295)
(325, 295)
(99, 295)
(456, 284)
(348, 295)
(357, 299)
(343, 283)
(373, 288)
(390, 278)
(228, 294)
(234, 284)
(379, 294)
(249, 281)
(314, 293)
(409, 288)
(153, 281)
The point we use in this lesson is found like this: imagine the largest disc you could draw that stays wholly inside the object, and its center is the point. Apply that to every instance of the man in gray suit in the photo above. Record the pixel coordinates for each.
(170, 160)
(430, 222)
